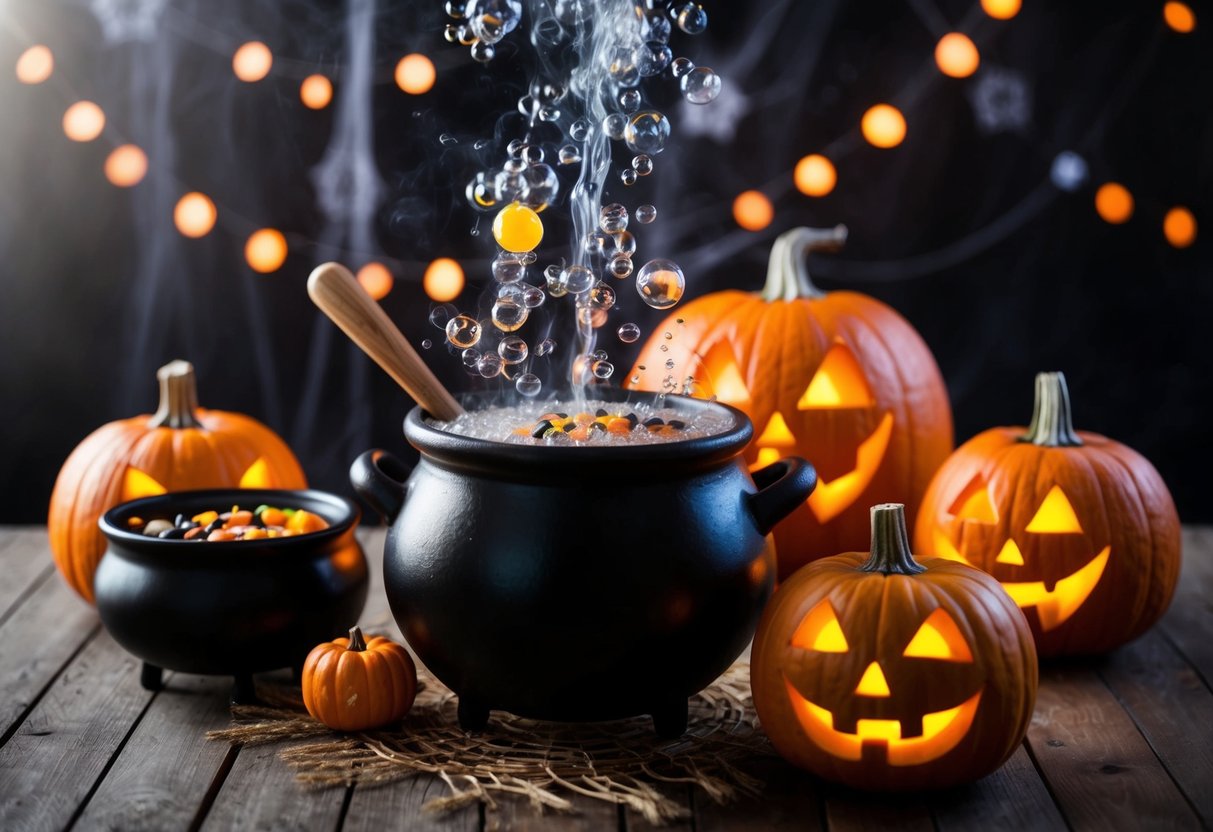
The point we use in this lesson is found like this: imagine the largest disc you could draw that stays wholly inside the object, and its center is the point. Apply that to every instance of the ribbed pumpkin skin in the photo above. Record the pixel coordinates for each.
(353, 690)
(1120, 501)
(216, 454)
(879, 615)
(779, 346)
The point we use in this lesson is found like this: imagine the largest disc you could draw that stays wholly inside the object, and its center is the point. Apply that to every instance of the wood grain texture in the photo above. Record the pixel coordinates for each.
(1098, 766)
(1012, 798)
(260, 792)
(401, 805)
(26, 562)
(790, 801)
(167, 765)
(1173, 710)
(48, 768)
(1189, 622)
(516, 815)
(858, 812)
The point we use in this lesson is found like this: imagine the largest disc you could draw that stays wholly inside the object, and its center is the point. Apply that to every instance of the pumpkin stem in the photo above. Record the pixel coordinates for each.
(178, 397)
(788, 271)
(357, 642)
(1051, 425)
(890, 544)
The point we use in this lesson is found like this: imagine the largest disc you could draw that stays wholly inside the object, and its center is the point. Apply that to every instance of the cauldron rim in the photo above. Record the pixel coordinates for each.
(466, 452)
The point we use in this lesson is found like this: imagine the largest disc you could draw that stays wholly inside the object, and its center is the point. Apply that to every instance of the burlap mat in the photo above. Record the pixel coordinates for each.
(546, 763)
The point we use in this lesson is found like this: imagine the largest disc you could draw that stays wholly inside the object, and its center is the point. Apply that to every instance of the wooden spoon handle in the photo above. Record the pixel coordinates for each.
(336, 291)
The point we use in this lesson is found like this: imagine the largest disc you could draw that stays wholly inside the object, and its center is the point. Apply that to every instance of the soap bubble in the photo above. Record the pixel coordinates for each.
(602, 369)
(700, 86)
(557, 287)
(652, 58)
(482, 51)
(681, 66)
(442, 313)
(512, 349)
(614, 125)
(628, 176)
(471, 358)
(629, 101)
(669, 363)
(613, 218)
(602, 296)
(509, 314)
(532, 297)
(658, 29)
(591, 316)
(625, 242)
(509, 186)
(508, 268)
(532, 154)
(623, 67)
(578, 279)
(647, 131)
(490, 365)
(481, 192)
(692, 19)
(528, 384)
(568, 155)
(542, 186)
(491, 20)
(579, 131)
(629, 333)
(549, 112)
(620, 266)
(645, 214)
(426, 343)
(463, 331)
(642, 164)
(545, 347)
(599, 354)
(598, 244)
(660, 283)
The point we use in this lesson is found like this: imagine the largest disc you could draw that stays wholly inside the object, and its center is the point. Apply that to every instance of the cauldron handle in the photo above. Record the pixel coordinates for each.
(379, 478)
(782, 486)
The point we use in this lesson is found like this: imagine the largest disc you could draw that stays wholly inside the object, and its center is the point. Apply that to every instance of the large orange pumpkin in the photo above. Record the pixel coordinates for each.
(838, 378)
(1080, 530)
(178, 448)
(884, 673)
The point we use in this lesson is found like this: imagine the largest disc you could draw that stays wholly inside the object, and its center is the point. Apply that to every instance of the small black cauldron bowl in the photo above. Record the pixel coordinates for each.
(579, 583)
(233, 608)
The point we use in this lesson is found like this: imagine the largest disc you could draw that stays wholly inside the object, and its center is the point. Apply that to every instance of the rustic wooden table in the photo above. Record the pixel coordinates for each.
(1120, 743)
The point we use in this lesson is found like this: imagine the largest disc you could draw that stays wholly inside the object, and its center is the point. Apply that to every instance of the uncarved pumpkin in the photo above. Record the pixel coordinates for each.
(352, 684)
(838, 378)
(1080, 530)
(178, 448)
(883, 673)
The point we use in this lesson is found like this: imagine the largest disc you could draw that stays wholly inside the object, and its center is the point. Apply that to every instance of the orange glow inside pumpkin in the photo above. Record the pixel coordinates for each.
(1010, 553)
(136, 484)
(775, 441)
(873, 683)
(831, 498)
(939, 638)
(257, 475)
(1054, 608)
(723, 376)
(1055, 515)
(838, 382)
(820, 631)
(974, 503)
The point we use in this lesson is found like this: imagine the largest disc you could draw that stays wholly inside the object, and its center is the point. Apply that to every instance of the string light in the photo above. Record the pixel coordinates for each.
(883, 126)
(443, 280)
(1179, 16)
(126, 166)
(265, 250)
(316, 92)
(194, 215)
(415, 74)
(1114, 203)
(35, 65)
(1001, 9)
(252, 61)
(1179, 227)
(956, 55)
(753, 210)
(815, 175)
(83, 121)
(376, 280)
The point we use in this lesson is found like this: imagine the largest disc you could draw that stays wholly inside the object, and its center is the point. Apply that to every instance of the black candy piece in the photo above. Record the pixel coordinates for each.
(215, 525)
(676, 424)
(600, 412)
(175, 533)
(597, 426)
(180, 520)
(541, 428)
(633, 418)
(570, 427)
(648, 423)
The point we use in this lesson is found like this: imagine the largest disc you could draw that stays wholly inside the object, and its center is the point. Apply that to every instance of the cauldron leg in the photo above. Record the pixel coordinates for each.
(670, 719)
(244, 692)
(151, 677)
(473, 715)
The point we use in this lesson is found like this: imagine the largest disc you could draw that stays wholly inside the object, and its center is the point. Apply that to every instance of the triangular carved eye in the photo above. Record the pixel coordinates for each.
(820, 631)
(974, 503)
(939, 638)
(838, 382)
(723, 377)
(136, 484)
(1055, 515)
(257, 475)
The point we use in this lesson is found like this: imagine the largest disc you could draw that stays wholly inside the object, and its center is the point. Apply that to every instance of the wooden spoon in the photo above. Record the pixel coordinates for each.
(338, 294)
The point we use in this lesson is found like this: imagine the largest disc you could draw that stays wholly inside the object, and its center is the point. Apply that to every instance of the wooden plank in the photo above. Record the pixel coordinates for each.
(1098, 766)
(260, 792)
(26, 560)
(848, 811)
(400, 804)
(789, 801)
(1189, 621)
(1173, 710)
(167, 765)
(56, 756)
(517, 815)
(1012, 798)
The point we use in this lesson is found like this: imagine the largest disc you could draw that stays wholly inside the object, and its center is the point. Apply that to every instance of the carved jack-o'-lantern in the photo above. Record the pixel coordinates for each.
(883, 673)
(180, 447)
(838, 378)
(1080, 530)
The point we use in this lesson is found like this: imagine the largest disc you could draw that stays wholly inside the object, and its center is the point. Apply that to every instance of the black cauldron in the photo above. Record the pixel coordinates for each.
(579, 583)
(232, 608)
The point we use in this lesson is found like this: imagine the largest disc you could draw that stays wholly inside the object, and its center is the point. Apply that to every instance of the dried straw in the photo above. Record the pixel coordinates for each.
(546, 764)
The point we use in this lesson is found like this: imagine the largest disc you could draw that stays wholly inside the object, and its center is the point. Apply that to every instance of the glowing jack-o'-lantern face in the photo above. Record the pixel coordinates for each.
(1088, 551)
(893, 679)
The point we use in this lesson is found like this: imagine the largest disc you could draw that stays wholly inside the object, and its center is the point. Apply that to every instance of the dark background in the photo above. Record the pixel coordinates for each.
(960, 227)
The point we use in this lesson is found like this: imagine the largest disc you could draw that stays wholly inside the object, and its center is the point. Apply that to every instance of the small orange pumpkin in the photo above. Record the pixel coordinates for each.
(180, 447)
(351, 684)
(1080, 530)
(883, 673)
(838, 378)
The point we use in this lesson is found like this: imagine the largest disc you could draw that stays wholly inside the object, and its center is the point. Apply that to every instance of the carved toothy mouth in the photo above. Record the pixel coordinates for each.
(831, 498)
(941, 732)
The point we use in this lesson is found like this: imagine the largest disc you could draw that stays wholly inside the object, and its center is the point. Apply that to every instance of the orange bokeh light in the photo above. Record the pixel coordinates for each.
(265, 250)
(883, 126)
(443, 280)
(252, 61)
(35, 65)
(815, 175)
(753, 210)
(194, 215)
(1114, 203)
(956, 55)
(415, 74)
(1179, 16)
(126, 166)
(1179, 227)
(316, 92)
(376, 279)
(1001, 9)
(83, 121)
